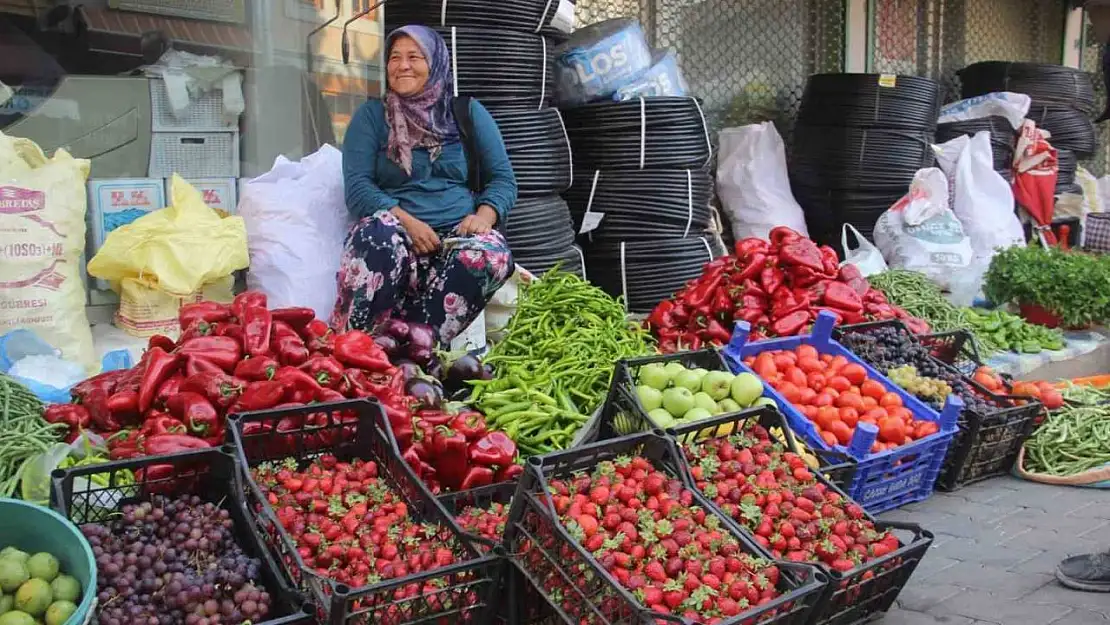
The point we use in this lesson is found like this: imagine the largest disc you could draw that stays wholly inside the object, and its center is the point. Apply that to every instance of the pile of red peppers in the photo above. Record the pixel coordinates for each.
(244, 357)
(777, 285)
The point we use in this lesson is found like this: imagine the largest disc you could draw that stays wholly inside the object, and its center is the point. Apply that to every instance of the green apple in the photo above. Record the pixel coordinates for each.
(655, 376)
(718, 384)
(696, 414)
(729, 404)
(746, 388)
(650, 398)
(703, 400)
(678, 400)
(764, 401)
(689, 379)
(673, 369)
(662, 418)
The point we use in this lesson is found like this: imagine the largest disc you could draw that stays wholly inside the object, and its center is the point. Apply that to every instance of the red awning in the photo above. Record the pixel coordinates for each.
(119, 31)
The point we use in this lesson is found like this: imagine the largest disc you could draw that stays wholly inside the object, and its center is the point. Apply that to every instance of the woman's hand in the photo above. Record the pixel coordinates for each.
(480, 222)
(424, 239)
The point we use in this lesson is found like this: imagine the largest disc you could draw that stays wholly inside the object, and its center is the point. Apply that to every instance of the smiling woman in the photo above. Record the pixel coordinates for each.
(424, 248)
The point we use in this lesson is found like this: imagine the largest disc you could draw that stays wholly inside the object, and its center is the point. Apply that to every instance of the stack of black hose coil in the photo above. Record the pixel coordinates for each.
(1063, 101)
(641, 195)
(857, 144)
(1003, 139)
(501, 54)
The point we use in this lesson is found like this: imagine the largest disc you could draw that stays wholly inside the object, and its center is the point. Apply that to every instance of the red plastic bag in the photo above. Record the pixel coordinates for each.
(1035, 170)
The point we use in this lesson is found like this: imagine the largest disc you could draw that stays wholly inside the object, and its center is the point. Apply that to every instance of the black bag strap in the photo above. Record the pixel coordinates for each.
(461, 109)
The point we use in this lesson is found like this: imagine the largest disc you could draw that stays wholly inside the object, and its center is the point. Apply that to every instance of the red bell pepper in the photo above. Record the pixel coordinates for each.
(791, 324)
(403, 430)
(223, 351)
(159, 368)
(199, 364)
(804, 277)
(747, 248)
(326, 370)
(752, 302)
(163, 444)
(220, 388)
(414, 461)
(358, 383)
(298, 317)
(493, 449)
(722, 302)
(716, 333)
(256, 369)
(105, 382)
(750, 315)
(279, 329)
(477, 477)
(166, 343)
(245, 300)
(449, 455)
(508, 472)
(168, 389)
(752, 269)
(124, 407)
(781, 235)
(299, 386)
(290, 350)
(689, 341)
(470, 424)
(329, 395)
(842, 296)
(830, 261)
(436, 418)
(257, 325)
(197, 330)
(357, 349)
(770, 278)
(850, 275)
(660, 317)
(700, 296)
(196, 412)
(208, 312)
(802, 253)
(125, 444)
(157, 423)
(230, 330)
(74, 416)
(318, 337)
(260, 396)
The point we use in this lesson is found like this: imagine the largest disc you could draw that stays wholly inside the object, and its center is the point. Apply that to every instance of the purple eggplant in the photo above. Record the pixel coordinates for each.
(487, 371)
(435, 368)
(408, 368)
(388, 344)
(426, 390)
(422, 335)
(396, 328)
(465, 368)
(419, 354)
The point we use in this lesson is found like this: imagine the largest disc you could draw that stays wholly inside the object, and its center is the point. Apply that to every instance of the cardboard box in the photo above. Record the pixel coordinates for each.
(114, 202)
(219, 193)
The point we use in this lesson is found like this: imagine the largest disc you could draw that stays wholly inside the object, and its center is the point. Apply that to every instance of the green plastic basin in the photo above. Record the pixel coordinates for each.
(33, 528)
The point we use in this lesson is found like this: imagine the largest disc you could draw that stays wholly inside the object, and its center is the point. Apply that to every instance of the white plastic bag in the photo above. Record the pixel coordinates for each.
(752, 182)
(920, 233)
(1012, 106)
(866, 257)
(297, 220)
(982, 199)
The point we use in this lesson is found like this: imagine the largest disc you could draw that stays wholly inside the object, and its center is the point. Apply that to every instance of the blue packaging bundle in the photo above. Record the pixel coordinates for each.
(663, 78)
(600, 59)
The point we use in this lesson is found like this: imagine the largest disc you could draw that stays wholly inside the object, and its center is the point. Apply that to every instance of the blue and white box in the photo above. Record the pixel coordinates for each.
(221, 194)
(117, 202)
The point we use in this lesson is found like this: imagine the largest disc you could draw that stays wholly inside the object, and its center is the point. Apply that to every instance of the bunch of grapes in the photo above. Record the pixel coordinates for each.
(174, 562)
(888, 348)
(930, 390)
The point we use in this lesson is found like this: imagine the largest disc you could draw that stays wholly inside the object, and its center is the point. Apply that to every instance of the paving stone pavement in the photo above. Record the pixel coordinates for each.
(996, 547)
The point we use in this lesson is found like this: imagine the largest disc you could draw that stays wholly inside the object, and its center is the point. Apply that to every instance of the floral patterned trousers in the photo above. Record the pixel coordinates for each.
(380, 276)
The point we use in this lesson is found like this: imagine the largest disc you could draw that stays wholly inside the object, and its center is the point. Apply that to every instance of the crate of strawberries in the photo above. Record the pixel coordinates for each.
(993, 425)
(614, 532)
(177, 527)
(350, 522)
(764, 487)
(833, 400)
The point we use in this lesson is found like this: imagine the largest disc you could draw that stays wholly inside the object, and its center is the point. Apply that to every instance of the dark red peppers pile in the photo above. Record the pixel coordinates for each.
(778, 286)
(244, 357)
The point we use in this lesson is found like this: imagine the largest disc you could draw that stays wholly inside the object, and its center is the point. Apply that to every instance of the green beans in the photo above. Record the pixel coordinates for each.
(555, 361)
(1072, 440)
(25, 434)
(1012, 332)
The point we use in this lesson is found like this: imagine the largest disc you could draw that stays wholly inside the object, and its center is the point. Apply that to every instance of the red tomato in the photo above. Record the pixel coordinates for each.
(790, 392)
(807, 396)
(811, 365)
(856, 374)
(839, 383)
(810, 412)
(899, 412)
(784, 360)
(892, 430)
(850, 416)
(764, 366)
(837, 363)
(816, 381)
(796, 376)
(829, 438)
(841, 431)
(890, 399)
(874, 415)
(871, 388)
(870, 402)
(749, 360)
(925, 428)
(826, 358)
(849, 400)
(806, 351)
(823, 399)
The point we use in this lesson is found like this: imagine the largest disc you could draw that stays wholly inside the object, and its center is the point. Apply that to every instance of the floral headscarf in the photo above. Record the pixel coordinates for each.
(425, 119)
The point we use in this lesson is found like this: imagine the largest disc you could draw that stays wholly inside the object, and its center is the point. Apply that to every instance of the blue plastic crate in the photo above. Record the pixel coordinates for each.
(883, 480)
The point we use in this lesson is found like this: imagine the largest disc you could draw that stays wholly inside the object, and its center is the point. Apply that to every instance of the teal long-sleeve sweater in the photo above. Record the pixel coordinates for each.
(437, 192)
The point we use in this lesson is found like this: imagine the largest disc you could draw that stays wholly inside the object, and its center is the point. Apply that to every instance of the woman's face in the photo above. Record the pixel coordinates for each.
(407, 69)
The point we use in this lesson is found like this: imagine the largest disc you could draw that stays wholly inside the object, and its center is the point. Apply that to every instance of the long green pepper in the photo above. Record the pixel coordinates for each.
(25, 434)
(555, 362)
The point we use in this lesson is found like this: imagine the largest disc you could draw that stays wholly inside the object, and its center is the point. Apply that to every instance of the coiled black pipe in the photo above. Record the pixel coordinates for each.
(642, 205)
(870, 101)
(853, 158)
(1003, 139)
(538, 149)
(1071, 129)
(532, 16)
(1045, 83)
(648, 272)
(646, 133)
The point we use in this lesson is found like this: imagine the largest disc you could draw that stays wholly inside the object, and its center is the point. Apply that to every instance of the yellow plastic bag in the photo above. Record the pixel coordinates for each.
(42, 237)
(183, 253)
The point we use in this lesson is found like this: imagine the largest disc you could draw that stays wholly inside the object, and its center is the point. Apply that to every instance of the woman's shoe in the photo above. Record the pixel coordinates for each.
(1090, 572)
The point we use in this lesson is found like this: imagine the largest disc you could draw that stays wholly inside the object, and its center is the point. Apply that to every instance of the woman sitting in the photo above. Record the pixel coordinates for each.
(424, 248)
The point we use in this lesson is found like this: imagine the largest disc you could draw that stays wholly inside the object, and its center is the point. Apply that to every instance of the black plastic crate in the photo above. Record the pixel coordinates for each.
(986, 445)
(852, 597)
(521, 602)
(623, 414)
(349, 430)
(580, 588)
(208, 473)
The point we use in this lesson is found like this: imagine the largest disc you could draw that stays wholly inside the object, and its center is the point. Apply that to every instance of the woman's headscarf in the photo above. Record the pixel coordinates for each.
(424, 119)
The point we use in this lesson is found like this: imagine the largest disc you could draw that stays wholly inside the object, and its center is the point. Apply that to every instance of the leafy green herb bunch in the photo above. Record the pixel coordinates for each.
(1073, 285)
